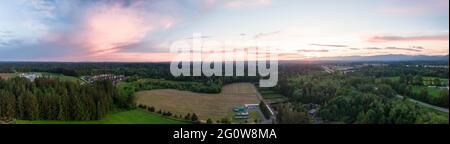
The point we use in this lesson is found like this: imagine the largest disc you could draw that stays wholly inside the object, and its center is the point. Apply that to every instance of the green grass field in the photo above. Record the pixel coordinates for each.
(434, 92)
(140, 81)
(133, 86)
(125, 117)
(397, 78)
(7, 75)
(63, 77)
(273, 97)
(434, 116)
(60, 76)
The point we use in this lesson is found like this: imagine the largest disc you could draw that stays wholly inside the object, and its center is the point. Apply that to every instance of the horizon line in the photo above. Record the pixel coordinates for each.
(317, 59)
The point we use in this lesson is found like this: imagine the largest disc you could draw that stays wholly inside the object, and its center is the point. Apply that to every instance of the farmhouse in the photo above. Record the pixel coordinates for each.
(251, 106)
(242, 115)
(312, 108)
(242, 110)
(114, 78)
(239, 108)
(30, 76)
(312, 112)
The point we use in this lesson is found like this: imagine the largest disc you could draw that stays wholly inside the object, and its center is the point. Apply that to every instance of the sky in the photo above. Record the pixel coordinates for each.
(145, 30)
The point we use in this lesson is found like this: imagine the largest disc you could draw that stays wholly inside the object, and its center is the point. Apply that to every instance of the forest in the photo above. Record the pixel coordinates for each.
(359, 97)
(54, 99)
(368, 95)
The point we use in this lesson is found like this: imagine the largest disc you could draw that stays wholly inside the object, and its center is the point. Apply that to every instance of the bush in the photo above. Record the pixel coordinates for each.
(168, 114)
(209, 121)
(187, 117)
(194, 117)
(151, 109)
(225, 121)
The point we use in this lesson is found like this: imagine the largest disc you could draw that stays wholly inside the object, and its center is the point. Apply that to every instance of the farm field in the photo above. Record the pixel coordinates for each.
(7, 75)
(214, 106)
(432, 91)
(125, 117)
(60, 76)
(425, 79)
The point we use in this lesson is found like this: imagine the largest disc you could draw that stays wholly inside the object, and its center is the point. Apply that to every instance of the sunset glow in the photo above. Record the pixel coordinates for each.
(141, 30)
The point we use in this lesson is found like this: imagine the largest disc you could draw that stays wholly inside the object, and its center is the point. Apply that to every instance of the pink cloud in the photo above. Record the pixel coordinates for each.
(291, 56)
(107, 30)
(134, 57)
(314, 51)
(329, 45)
(266, 35)
(404, 10)
(404, 49)
(409, 7)
(105, 27)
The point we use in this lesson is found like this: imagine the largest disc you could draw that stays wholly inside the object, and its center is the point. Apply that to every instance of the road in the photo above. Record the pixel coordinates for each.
(425, 104)
(327, 69)
(273, 117)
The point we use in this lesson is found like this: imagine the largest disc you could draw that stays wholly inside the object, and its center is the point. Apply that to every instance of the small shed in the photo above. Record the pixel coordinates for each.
(239, 108)
(251, 106)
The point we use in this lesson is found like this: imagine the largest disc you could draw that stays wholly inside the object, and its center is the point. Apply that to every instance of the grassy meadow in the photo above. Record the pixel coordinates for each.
(136, 116)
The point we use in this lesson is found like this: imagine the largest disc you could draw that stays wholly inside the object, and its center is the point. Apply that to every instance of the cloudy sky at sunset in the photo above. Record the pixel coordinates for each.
(143, 30)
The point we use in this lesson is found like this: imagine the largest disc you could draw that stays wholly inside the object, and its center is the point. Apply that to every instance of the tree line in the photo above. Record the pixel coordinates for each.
(406, 83)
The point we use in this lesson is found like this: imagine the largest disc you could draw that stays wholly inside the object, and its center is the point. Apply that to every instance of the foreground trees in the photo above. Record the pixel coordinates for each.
(54, 99)
(7, 104)
(369, 108)
(289, 114)
(356, 98)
